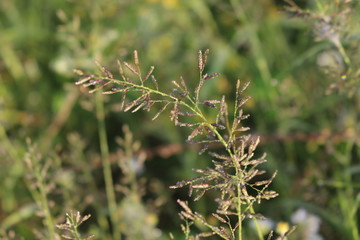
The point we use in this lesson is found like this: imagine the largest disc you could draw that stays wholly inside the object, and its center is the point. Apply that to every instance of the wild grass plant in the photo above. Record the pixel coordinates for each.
(303, 64)
(333, 23)
(73, 221)
(235, 168)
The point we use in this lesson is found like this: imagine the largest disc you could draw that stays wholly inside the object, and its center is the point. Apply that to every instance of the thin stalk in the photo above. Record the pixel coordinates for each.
(346, 196)
(39, 193)
(195, 110)
(137, 86)
(74, 229)
(264, 70)
(49, 221)
(260, 59)
(109, 185)
(9, 202)
(239, 213)
(83, 164)
(319, 6)
(343, 53)
(129, 155)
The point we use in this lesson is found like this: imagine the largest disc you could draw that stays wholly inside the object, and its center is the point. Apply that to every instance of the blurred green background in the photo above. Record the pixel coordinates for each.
(304, 72)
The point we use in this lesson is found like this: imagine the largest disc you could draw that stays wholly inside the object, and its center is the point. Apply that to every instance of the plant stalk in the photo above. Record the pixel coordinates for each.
(109, 185)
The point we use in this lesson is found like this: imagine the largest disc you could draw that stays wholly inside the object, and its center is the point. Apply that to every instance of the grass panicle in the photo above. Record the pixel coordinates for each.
(73, 221)
(235, 167)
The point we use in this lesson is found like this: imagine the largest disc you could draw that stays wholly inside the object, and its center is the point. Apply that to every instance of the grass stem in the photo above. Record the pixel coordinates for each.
(109, 185)
(49, 221)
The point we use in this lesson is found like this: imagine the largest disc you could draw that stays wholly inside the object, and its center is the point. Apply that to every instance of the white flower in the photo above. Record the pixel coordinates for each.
(308, 225)
(265, 225)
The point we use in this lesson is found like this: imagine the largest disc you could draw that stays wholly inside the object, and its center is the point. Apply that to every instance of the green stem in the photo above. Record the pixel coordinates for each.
(260, 59)
(109, 185)
(239, 213)
(319, 6)
(74, 229)
(195, 110)
(343, 53)
(49, 221)
(346, 196)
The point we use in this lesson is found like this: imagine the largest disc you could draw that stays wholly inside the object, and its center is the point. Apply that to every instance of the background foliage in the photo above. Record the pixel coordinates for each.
(304, 73)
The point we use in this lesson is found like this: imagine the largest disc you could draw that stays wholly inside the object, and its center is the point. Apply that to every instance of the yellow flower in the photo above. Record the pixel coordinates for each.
(153, 1)
(170, 3)
(282, 228)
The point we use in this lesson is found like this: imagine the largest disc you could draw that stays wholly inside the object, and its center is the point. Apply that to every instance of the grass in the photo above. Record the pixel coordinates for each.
(232, 174)
(304, 71)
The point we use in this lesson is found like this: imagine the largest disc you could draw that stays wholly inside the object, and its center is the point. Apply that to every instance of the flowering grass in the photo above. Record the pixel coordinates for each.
(301, 58)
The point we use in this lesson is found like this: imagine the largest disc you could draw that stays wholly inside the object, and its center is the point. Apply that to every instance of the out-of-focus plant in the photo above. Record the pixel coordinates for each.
(73, 221)
(137, 220)
(335, 22)
(40, 185)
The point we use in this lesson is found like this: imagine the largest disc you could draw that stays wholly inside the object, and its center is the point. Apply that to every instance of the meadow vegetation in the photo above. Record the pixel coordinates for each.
(81, 159)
